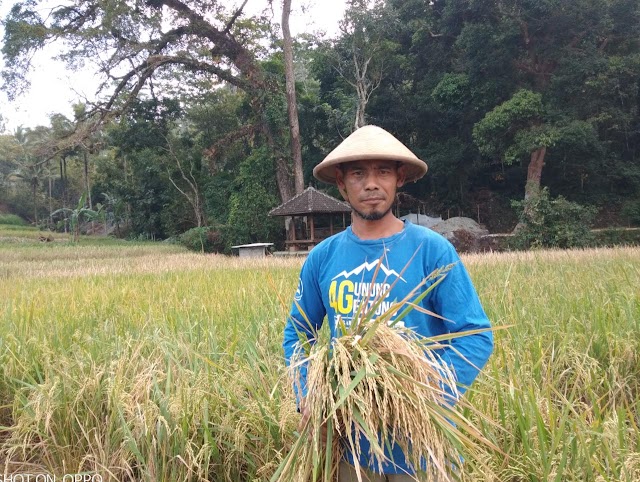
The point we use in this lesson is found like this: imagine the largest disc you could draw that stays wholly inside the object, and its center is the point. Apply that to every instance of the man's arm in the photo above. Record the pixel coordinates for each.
(304, 320)
(457, 300)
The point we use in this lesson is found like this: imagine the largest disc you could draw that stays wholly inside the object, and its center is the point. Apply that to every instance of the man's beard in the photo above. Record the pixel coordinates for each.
(373, 216)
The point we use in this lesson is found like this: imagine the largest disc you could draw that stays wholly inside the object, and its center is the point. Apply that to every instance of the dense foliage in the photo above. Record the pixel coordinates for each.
(553, 223)
(500, 98)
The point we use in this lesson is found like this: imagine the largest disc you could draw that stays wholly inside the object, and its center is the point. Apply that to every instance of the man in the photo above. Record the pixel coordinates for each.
(368, 167)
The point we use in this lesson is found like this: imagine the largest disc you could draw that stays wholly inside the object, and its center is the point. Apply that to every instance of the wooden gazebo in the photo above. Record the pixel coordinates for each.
(302, 209)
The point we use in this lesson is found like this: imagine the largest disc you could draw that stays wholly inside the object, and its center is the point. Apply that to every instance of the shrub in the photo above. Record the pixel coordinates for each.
(631, 211)
(617, 237)
(12, 219)
(547, 222)
(249, 205)
(205, 239)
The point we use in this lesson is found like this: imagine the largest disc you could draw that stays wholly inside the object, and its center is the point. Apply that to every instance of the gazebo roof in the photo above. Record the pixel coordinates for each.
(310, 201)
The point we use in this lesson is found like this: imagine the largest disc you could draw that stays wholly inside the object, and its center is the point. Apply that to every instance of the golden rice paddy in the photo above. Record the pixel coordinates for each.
(146, 362)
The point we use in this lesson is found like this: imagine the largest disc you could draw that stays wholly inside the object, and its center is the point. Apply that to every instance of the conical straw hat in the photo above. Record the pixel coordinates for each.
(370, 143)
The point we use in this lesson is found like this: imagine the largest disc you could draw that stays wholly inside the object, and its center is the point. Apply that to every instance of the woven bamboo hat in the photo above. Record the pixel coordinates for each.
(370, 143)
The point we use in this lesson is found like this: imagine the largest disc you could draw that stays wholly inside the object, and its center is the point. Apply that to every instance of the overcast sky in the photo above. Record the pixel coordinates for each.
(55, 90)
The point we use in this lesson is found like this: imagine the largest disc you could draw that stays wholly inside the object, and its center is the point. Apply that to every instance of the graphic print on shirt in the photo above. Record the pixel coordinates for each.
(350, 288)
(299, 291)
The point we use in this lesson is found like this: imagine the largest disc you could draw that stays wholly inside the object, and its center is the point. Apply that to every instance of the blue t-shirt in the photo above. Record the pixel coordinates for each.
(338, 276)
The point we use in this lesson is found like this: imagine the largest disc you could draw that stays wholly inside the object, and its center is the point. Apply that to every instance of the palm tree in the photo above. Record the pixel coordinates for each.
(29, 167)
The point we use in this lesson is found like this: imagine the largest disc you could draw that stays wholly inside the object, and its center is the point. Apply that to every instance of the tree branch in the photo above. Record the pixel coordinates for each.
(230, 138)
(233, 19)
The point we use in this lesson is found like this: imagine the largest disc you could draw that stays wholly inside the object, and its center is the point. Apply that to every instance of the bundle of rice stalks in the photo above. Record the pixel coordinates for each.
(383, 382)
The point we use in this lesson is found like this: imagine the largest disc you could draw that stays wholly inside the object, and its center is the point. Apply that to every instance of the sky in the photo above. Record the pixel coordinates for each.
(55, 89)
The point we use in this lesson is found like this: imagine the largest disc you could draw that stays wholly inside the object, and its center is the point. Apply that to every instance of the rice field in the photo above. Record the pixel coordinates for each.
(124, 361)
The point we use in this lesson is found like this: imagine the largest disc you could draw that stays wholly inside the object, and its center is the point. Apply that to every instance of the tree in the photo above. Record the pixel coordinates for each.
(152, 45)
(139, 169)
(209, 119)
(514, 127)
(192, 192)
(499, 98)
(552, 68)
(28, 167)
(292, 109)
(365, 29)
(62, 128)
(253, 197)
(555, 41)
(114, 212)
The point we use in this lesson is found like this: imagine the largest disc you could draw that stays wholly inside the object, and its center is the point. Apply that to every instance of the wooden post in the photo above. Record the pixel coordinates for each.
(292, 246)
(313, 234)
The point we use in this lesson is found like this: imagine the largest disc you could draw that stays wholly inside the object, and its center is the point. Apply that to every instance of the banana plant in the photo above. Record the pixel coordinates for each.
(78, 215)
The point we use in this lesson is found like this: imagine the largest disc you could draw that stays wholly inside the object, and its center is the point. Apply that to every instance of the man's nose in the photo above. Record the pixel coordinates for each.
(371, 180)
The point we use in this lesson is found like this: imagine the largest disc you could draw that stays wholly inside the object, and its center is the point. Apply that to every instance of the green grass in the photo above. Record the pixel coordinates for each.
(144, 362)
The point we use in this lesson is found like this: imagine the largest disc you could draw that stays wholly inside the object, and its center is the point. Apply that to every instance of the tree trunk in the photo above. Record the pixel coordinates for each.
(64, 190)
(294, 127)
(194, 198)
(283, 176)
(50, 200)
(283, 179)
(86, 179)
(35, 204)
(360, 122)
(126, 183)
(361, 106)
(534, 173)
(361, 90)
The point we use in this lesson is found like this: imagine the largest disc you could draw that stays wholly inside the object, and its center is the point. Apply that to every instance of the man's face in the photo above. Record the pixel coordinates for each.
(370, 186)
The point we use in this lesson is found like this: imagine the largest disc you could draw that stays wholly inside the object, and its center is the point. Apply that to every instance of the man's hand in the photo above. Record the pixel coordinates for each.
(306, 419)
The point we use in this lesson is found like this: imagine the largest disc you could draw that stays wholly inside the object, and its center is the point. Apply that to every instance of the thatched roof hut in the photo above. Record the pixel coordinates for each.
(304, 209)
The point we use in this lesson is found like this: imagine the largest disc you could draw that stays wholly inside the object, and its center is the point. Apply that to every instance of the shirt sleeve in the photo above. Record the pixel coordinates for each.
(305, 319)
(456, 299)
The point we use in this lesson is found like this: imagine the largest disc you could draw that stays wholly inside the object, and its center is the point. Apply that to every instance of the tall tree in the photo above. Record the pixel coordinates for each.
(360, 53)
(292, 108)
(516, 126)
(143, 167)
(188, 180)
(25, 155)
(142, 45)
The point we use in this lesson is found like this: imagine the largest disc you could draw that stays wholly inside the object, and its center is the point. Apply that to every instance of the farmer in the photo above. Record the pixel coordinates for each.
(338, 275)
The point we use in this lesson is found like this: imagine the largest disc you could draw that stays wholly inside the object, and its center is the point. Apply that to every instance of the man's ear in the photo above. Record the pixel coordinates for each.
(402, 175)
(340, 183)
